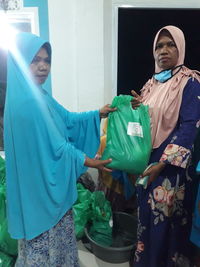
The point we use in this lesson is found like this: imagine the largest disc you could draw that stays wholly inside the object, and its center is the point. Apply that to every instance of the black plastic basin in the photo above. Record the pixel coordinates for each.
(123, 239)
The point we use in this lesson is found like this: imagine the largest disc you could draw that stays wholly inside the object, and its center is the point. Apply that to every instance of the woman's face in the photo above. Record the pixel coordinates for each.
(40, 66)
(166, 52)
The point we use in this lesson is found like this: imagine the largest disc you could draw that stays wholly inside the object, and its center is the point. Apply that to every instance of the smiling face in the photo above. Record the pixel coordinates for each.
(40, 66)
(166, 52)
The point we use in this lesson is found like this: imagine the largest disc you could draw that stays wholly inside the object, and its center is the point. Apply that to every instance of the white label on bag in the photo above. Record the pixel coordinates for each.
(135, 129)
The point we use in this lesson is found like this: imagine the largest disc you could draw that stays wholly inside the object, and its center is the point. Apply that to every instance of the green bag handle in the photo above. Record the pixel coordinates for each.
(125, 100)
(121, 100)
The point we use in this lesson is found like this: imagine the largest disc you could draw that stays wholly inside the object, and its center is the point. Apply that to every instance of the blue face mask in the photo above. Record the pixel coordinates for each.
(163, 76)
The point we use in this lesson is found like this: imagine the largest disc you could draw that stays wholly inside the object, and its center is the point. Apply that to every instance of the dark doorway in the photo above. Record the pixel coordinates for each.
(136, 31)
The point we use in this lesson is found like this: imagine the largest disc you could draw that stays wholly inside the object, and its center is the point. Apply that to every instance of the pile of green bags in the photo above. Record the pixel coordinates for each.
(101, 229)
(128, 141)
(82, 210)
(92, 208)
(8, 246)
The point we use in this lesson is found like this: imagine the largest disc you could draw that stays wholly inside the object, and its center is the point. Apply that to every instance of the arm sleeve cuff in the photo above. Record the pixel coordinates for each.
(176, 155)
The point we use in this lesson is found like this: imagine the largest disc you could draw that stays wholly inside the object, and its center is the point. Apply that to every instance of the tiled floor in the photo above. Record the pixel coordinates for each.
(88, 259)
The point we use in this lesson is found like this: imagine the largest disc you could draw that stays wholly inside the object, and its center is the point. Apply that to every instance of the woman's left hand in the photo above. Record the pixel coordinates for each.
(154, 171)
(104, 111)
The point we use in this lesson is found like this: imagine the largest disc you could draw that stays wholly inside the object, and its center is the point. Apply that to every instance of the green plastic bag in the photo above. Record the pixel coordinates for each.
(6, 261)
(100, 229)
(95, 209)
(101, 232)
(81, 210)
(2, 171)
(7, 244)
(101, 208)
(128, 141)
(2, 203)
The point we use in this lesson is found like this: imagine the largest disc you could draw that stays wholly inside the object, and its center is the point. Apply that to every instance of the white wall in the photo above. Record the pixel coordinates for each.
(76, 35)
(62, 16)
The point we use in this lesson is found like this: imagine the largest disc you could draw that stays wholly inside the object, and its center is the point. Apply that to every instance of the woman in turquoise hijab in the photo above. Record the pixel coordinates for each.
(47, 148)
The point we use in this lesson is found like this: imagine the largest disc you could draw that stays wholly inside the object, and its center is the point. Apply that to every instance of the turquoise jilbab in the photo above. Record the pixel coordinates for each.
(45, 147)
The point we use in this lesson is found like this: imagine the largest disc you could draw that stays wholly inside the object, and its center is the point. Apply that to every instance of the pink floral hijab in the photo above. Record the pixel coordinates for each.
(164, 99)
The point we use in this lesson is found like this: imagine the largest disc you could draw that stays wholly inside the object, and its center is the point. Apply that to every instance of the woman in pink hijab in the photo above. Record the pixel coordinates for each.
(165, 206)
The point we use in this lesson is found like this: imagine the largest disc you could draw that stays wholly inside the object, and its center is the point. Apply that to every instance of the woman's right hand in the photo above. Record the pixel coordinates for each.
(98, 164)
(137, 100)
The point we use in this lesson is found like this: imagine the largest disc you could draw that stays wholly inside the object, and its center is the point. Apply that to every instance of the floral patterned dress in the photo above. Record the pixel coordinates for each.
(165, 207)
(54, 248)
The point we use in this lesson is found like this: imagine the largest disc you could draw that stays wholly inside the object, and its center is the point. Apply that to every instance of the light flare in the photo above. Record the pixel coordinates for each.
(7, 32)
(7, 42)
